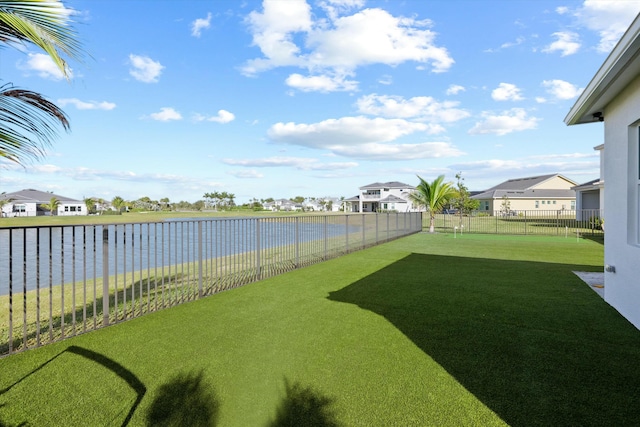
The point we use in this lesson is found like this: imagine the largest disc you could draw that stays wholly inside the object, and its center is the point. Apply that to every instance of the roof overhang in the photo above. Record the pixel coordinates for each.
(620, 68)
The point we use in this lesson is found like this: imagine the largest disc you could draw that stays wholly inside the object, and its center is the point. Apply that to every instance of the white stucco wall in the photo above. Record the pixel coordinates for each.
(622, 242)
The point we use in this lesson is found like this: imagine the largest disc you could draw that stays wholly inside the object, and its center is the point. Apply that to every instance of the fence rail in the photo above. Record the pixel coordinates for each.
(587, 222)
(60, 281)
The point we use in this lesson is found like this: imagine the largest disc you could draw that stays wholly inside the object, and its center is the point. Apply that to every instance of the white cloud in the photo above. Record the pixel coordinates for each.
(323, 83)
(44, 66)
(562, 90)
(343, 131)
(502, 124)
(301, 163)
(423, 108)
(223, 116)
(145, 69)
(385, 80)
(391, 152)
(567, 43)
(610, 18)
(200, 24)
(506, 92)
(375, 37)
(84, 105)
(246, 174)
(455, 89)
(166, 114)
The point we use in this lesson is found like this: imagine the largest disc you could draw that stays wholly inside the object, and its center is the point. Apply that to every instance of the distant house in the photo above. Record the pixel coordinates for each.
(282, 205)
(613, 97)
(544, 192)
(28, 203)
(590, 195)
(385, 196)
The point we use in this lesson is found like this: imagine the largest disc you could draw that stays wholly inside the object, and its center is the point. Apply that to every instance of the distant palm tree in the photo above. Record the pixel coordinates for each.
(52, 206)
(118, 203)
(27, 120)
(433, 196)
(90, 203)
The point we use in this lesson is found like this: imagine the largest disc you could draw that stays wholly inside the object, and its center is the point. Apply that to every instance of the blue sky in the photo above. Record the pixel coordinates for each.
(289, 98)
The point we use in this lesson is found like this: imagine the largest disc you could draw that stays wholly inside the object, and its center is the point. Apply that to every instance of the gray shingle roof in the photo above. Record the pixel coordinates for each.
(524, 188)
(391, 184)
(30, 195)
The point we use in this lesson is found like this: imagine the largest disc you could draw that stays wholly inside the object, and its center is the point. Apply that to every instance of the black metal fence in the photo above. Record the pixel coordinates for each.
(587, 222)
(60, 281)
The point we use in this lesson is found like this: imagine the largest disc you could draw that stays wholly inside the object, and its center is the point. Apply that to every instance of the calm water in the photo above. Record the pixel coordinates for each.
(55, 255)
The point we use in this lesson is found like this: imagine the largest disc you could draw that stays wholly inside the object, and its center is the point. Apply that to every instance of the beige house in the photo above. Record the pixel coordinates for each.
(544, 192)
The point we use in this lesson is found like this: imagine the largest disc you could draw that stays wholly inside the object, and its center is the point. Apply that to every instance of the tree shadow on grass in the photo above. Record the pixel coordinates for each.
(528, 339)
(187, 400)
(303, 406)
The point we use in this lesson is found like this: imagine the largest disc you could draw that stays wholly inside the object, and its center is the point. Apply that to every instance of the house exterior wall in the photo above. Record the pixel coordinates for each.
(555, 183)
(622, 201)
(543, 204)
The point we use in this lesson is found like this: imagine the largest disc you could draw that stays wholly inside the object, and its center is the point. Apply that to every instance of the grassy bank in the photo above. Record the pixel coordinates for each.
(424, 330)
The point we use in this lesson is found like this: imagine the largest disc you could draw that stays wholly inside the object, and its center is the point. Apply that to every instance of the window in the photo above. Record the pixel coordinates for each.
(19, 208)
(543, 202)
(537, 204)
(554, 202)
(573, 205)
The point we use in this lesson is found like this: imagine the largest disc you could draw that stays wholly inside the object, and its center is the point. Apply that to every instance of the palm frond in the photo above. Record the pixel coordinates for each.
(29, 124)
(45, 23)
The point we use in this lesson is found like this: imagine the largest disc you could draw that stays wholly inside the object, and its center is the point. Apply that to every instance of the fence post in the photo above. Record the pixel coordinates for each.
(297, 239)
(346, 231)
(199, 259)
(258, 272)
(525, 223)
(105, 276)
(364, 231)
(325, 237)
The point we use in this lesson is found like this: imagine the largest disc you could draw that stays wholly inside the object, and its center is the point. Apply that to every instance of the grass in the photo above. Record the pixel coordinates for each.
(424, 330)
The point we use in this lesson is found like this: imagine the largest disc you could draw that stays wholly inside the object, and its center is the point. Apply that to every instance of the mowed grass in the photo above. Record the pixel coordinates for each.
(424, 330)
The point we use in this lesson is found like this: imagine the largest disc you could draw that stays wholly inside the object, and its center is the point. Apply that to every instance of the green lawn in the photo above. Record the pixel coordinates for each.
(424, 330)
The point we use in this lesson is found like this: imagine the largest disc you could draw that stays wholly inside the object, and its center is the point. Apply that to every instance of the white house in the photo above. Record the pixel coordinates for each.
(28, 203)
(613, 97)
(385, 196)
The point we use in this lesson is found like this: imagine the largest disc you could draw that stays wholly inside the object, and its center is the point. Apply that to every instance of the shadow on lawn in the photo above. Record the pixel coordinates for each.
(186, 400)
(529, 340)
(304, 407)
(123, 373)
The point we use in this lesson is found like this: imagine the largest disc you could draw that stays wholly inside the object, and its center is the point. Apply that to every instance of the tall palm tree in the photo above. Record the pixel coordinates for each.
(27, 120)
(433, 196)
(52, 206)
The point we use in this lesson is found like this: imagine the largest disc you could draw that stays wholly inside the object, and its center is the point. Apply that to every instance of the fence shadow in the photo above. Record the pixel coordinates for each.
(186, 400)
(527, 339)
(303, 406)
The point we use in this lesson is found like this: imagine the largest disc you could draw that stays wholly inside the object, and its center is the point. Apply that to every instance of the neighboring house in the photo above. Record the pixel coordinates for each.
(590, 195)
(544, 192)
(386, 196)
(613, 96)
(28, 203)
(282, 205)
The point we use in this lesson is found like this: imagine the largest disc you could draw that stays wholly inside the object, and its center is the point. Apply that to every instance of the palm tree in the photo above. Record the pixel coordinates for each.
(52, 206)
(27, 120)
(433, 196)
(90, 203)
(118, 203)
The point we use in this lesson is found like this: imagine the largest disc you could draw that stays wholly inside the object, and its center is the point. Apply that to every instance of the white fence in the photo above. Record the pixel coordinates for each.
(60, 281)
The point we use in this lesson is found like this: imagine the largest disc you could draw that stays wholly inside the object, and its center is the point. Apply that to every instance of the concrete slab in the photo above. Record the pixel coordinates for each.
(594, 280)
